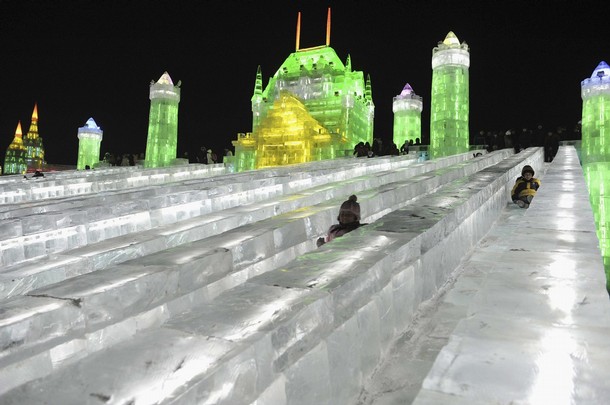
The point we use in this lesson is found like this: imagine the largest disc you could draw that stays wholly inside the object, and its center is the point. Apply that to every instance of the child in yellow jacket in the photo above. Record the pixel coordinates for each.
(525, 187)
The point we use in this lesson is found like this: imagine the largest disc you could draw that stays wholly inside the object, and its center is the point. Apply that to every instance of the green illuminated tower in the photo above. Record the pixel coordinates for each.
(89, 139)
(34, 151)
(407, 108)
(450, 101)
(314, 107)
(162, 142)
(595, 154)
(14, 160)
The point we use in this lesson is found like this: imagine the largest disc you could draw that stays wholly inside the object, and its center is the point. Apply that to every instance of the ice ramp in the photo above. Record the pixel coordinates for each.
(310, 331)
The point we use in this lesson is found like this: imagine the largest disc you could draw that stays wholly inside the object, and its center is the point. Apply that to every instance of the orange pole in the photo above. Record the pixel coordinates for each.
(298, 30)
(328, 28)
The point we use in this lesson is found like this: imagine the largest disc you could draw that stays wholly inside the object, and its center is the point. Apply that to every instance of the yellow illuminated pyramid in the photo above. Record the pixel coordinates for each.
(289, 134)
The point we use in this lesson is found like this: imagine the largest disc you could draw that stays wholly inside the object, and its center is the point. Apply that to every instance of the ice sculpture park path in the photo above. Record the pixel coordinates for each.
(193, 285)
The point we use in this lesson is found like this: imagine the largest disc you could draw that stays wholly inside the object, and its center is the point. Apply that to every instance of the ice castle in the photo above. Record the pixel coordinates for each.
(314, 107)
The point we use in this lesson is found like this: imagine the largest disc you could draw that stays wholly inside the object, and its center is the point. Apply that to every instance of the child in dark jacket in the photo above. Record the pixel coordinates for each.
(525, 187)
(349, 219)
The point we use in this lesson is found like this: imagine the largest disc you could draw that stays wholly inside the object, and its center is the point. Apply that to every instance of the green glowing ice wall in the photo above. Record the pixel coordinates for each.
(595, 154)
(162, 142)
(89, 139)
(407, 107)
(334, 95)
(450, 98)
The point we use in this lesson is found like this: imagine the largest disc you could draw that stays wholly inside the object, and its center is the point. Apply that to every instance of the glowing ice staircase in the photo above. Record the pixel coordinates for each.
(238, 320)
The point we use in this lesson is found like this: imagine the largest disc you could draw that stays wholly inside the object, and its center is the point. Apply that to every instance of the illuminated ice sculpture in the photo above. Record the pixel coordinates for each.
(89, 140)
(407, 108)
(314, 107)
(595, 153)
(162, 142)
(14, 160)
(450, 99)
(34, 150)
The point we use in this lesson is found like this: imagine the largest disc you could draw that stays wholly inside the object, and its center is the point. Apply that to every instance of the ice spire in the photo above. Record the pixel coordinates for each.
(368, 92)
(595, 153)
(450, 101)
(407, 108)
(162, 141)
(348, 63)
(257, 98)
(90, 138)
(451, 39)
(34, 155)
(14, 160)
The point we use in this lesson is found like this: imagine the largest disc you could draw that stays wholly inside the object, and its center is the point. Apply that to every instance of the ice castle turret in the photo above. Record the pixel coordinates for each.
(89, 140)
(595, 154)
(316, 89)
(407, 108)
(14, 160)
(162, 142)
(34, 150)
(450, 98)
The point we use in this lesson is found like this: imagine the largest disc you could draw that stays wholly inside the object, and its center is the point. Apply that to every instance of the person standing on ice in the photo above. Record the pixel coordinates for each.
(349, 219)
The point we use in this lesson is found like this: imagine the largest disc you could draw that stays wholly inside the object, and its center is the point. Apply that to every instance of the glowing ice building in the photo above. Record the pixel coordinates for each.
(313, 108)
(34, 150)
(89, 140)
(162, 142)
(595, 154)
(14, 160)
(450, 100)
(407, 108)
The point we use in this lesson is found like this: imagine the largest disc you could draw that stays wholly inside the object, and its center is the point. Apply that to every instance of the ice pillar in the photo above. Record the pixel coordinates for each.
(14, 160)
(162, 142)
(595, 154)
(450, 99)
(34, 151)
(89, 140)
(407, 108)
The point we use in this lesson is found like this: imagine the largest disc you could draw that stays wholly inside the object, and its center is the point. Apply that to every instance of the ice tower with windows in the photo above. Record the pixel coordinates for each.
(89, 140)
(34, 150)
(313, 108)
(450, 99)
(162, 142)
(14, 160)
(595, 153)
(407, 108)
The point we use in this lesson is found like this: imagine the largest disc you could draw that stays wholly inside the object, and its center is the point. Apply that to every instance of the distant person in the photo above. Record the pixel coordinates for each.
(525, 187)
(202, 155)
(404, 149)
(551, 146)
(349, 219)
(38, 173)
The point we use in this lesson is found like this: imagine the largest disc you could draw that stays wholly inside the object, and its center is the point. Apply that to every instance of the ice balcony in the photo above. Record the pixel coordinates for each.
(253, 314)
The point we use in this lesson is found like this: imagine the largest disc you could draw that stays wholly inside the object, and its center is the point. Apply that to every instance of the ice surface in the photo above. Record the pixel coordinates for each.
(266, 328)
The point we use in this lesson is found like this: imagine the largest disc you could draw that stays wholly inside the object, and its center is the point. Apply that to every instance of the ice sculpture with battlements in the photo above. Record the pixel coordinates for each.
(89, 140)
(162, 142)
(14, 160)
(595, 154)
(407, 108)
(450, 98)
(314, 107)
(34, 150)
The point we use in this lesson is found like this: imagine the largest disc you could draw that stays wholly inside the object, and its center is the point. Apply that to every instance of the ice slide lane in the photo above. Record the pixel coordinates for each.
(23, 316)
(228, 211)
(326, 298)
(69, 223)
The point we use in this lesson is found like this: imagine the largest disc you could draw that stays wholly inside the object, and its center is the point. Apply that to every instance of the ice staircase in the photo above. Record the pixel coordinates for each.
(235, 305)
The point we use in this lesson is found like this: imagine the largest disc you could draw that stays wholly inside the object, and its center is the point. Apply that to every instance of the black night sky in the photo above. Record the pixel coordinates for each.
(81, 59)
